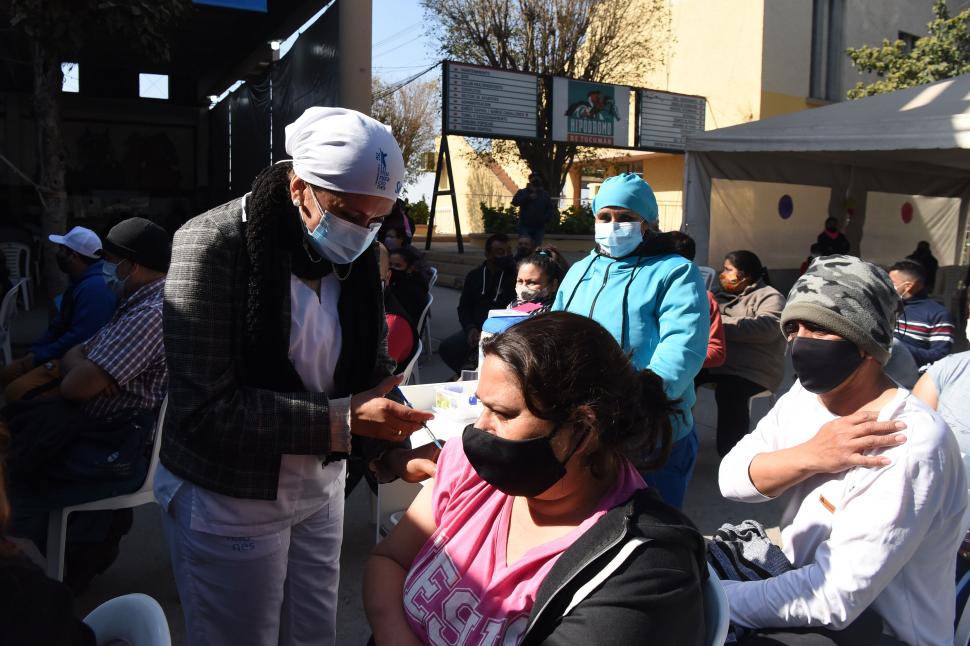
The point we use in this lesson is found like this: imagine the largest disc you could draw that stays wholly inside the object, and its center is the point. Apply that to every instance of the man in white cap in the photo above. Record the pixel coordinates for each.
(276, 343)
(85, 306)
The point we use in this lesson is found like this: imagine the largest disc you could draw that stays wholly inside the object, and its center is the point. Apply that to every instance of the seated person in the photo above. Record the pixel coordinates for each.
(488, 287)
(750, 310)
(945, 387)
(112, 386)
(409, 280)
(926, 327)
(534, 492)
(813, 252)
(876, 488)
(537, 280)
(685, 246)
(397, 229)
(402, 334)
(85, 307)
(524, 247)
(33, 608)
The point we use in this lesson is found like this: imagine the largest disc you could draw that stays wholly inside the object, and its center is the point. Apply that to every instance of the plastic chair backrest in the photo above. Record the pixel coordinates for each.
(156, 446)
(135, 619)
(433, 279)
(409, 369)
(717, 612)
(424, 314)
(8, 307)
(17, 255)
(708, 274)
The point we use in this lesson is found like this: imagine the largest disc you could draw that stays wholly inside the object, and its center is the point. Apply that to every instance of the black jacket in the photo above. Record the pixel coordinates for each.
(535, 208)
(484, 291)
(647, 563)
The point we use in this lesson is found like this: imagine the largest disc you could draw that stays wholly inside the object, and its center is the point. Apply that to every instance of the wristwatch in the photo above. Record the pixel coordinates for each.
(49, 365)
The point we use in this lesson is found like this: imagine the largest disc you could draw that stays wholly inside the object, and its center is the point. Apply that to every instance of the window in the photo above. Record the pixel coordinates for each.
(153, 86)
(827, 50)
(909, 39)
(72, 77)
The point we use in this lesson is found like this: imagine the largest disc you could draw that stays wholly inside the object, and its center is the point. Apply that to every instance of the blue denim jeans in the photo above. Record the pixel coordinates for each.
(671, 479)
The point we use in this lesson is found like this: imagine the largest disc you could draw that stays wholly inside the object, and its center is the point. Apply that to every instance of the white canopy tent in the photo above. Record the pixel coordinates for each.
(893, 168)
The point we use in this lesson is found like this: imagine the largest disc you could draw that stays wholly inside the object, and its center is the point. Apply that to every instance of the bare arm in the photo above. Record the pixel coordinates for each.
(73, 358)
(838, 446)
(388, 567)
(925, 389)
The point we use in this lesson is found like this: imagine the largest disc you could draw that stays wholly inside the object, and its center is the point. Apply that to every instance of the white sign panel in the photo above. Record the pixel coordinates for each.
(487, 102)
(667, 119)
(591, 114)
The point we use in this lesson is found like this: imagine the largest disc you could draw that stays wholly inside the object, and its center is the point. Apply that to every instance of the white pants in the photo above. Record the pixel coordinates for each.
(278, 588)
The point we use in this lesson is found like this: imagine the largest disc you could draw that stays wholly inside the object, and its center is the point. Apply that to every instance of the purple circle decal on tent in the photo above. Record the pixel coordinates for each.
(786, 206)
(906, 212)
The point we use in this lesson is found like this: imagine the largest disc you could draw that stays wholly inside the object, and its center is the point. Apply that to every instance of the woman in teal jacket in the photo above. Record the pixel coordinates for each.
(654, 304)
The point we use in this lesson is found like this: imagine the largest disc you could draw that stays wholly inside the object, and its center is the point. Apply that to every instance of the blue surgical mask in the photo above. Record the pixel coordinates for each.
(618, 239)
(110, 272)
(339, 241)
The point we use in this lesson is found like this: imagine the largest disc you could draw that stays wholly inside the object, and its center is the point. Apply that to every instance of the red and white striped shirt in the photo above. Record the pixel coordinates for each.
(131, 349)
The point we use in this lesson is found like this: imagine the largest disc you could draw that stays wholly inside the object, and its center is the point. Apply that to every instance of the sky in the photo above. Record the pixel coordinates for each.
(401, 49)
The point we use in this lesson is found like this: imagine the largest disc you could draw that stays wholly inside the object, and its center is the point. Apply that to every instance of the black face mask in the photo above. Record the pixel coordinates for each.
(63, 263)
(397, 276)
(514, 467)
(822, 364)
(505, 263)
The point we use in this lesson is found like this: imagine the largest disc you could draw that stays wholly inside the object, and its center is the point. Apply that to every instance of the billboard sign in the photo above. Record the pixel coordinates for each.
(665, 119)
(590, 114)
(488, 102)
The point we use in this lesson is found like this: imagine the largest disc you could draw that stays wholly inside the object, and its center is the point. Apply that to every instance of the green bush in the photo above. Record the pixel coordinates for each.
(419, 211)
(576, 220)
(499, 219)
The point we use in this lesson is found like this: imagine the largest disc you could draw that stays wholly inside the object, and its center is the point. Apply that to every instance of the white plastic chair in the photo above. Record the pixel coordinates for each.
(57, 520)
(764, 394)
(134, 619)
(717, 611)
(17, 255)
(424, 324)
(412, 370)
(434, 278)
(708, 274)
(8, 309)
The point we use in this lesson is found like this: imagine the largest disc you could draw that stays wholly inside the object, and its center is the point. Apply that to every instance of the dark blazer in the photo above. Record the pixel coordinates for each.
(221, 433)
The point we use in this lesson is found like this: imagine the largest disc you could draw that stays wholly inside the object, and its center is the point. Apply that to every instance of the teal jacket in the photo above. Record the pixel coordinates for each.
(656, 307)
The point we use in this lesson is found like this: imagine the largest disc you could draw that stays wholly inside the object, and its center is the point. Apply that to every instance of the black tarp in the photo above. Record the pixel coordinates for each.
(307, 76)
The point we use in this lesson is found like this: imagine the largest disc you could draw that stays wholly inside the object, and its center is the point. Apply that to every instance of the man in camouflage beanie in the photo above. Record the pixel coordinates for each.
(849, 297)
(875, 485)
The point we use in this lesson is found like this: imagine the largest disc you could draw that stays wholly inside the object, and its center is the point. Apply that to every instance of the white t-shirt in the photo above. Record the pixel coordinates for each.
(885, 537)
(305, 484)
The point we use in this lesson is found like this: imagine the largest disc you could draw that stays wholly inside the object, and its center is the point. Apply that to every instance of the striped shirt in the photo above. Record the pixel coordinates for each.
(926, 329)
(131, 350)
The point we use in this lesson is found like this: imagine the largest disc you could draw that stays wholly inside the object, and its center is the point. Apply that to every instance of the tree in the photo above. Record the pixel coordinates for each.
(57, 31)
(607, 41)
(943, 53)
(412, 112)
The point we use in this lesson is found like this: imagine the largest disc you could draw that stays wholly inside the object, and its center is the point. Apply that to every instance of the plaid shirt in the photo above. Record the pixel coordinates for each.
(130, 349)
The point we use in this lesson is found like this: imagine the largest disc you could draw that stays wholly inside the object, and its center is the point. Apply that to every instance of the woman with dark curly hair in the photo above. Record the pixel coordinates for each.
(538, 529)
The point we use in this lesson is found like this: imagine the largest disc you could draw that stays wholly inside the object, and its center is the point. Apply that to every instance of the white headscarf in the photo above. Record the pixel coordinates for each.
(346, 151)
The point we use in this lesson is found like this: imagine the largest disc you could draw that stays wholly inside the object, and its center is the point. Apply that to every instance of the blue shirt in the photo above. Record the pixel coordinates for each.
(656, 308)
(87, 305)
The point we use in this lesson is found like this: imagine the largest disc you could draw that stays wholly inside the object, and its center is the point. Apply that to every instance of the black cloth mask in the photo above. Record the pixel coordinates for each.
(514, 467)
(823, 364)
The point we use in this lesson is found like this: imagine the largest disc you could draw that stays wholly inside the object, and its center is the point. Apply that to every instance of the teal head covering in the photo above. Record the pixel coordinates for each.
(628, 191)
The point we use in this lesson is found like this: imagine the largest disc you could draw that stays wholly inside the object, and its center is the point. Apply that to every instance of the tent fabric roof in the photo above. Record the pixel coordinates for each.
(927, 117)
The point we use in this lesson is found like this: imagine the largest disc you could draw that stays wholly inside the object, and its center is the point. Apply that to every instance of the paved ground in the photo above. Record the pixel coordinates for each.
(144, 566)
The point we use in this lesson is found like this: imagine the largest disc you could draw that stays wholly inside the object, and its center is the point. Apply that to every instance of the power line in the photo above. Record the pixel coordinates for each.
(395, 35)
(411, 79)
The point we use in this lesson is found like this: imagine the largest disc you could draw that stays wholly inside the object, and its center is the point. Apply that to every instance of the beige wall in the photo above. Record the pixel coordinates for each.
(787, 48)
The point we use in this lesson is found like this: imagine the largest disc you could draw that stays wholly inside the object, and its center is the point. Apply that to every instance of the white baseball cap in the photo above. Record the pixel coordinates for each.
(84, 241)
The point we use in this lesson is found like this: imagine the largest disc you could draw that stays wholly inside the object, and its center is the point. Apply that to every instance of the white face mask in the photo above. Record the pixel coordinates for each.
(525, 294)
(339, 241)
(618, 239)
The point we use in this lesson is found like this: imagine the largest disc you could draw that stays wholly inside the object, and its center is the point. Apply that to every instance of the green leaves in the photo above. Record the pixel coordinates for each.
(943, 53)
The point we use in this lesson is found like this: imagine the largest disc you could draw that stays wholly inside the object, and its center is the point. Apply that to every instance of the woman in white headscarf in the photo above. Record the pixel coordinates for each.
(276, 344)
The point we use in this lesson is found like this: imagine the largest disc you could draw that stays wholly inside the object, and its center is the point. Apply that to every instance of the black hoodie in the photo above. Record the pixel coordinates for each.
(636, 577)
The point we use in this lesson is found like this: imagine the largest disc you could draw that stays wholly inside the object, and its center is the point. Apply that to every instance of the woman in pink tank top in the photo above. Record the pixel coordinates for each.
(538, 528)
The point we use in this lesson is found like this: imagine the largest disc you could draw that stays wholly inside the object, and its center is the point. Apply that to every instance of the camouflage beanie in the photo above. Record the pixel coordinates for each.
(849, 297)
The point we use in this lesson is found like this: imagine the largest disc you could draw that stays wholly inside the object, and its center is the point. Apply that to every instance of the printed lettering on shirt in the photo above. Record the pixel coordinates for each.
(450, 612)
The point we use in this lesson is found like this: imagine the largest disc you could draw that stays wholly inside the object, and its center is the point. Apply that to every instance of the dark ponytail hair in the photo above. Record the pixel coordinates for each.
(748, 265)
(549, 261)
(564, 362)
